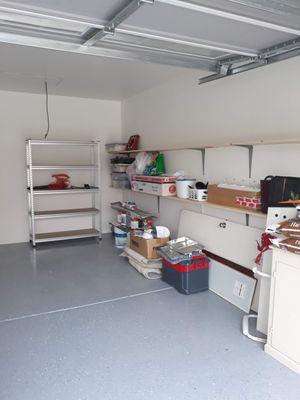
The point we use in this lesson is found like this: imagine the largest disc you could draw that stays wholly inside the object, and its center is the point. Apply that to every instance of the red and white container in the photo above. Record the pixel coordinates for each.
(157, 185)
(248, 202)
(154, 179)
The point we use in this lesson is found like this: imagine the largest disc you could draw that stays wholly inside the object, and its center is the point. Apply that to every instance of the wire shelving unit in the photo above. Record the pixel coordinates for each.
(94, 190)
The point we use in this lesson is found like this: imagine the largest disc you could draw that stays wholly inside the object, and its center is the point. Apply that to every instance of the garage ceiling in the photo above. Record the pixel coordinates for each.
(222, 37)
(25, 69)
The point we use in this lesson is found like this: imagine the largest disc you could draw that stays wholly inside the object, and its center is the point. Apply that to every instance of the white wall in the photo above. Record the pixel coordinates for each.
(22, 116)
(260, 104)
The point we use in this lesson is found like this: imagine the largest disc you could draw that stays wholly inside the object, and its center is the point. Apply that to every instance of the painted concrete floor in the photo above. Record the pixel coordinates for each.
(78, 323)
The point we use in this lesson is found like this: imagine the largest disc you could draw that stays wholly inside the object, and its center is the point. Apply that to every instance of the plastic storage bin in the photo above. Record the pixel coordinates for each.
(120, 184)
(182, 187)
(119, 167)
(187, 276)
(119, 180)
(116, 147)
(121, 238)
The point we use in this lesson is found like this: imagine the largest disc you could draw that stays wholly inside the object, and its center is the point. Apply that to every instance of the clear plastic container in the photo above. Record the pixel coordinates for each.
(115, 146)
(121, 184)
(119, 180)
(119, 176)
(119, 167)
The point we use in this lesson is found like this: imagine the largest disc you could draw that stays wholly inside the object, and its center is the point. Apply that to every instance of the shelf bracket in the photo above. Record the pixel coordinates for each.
(247, 219)
(250, 150)
(203, 152)
(158, 204)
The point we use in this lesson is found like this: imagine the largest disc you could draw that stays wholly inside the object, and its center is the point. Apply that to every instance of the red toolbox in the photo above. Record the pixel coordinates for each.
(187, 276)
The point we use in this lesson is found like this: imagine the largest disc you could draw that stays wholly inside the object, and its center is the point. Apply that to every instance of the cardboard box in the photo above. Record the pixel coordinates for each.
(147, 247)
(233, 197)
(156, 188)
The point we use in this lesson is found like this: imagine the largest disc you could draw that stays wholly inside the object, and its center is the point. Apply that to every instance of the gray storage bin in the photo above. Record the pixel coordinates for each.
(121, 184)
(119, 176)
(119, 180)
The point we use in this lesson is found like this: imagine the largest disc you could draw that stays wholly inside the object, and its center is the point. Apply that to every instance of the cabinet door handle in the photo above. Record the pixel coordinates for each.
(222, 225)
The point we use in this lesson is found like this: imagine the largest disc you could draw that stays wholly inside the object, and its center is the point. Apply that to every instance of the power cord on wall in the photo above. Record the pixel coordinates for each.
(47, 110)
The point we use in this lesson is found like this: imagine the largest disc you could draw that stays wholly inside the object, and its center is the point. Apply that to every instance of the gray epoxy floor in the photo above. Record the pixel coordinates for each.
(159, 345)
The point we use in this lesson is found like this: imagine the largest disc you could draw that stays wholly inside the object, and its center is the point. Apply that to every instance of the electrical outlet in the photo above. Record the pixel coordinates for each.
(239, 289)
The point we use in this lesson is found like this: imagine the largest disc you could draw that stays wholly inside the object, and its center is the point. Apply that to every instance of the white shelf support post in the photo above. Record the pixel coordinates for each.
(30, 194)
(99, 184)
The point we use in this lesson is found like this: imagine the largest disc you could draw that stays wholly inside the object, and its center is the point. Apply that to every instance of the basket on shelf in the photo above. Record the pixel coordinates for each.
(197, 194)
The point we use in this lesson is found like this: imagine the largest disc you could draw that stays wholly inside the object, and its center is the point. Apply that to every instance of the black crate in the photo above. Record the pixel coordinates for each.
(187, 277)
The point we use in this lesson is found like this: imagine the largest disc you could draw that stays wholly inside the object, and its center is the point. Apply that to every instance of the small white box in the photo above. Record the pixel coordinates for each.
(159, 189)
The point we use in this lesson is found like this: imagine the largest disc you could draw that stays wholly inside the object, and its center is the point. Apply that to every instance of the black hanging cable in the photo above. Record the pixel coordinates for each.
(47, 110)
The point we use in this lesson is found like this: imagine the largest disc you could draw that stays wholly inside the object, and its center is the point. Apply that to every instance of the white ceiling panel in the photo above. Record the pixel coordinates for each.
(274, 11)
(223, 37)
(101, 10)
(170, 20)
(158, 44)
(71, 74)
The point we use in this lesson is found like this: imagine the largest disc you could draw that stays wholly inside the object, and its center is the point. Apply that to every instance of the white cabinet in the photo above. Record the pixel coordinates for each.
(284, 314)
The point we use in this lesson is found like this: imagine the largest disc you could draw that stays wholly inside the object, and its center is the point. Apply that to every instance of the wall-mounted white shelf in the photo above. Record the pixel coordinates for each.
(245, 211)
(140, 213)
(209, 146)
(248, 145)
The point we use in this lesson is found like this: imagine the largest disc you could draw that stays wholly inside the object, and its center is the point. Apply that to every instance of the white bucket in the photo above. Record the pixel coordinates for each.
(120, 238)
(182, 187)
